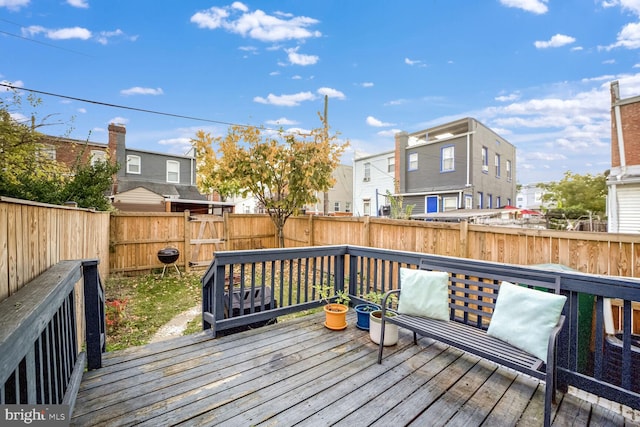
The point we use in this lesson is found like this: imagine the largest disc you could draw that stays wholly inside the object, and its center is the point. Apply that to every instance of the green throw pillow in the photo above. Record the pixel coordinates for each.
(524, 317)
(424, 293)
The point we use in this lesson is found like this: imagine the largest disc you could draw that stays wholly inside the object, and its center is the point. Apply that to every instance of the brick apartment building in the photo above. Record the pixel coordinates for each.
(623, 202)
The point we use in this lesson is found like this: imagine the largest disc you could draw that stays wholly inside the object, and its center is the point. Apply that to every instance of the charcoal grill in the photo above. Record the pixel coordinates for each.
(169, 256)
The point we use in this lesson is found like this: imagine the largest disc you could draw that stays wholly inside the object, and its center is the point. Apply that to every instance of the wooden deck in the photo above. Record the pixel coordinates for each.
(300, 373)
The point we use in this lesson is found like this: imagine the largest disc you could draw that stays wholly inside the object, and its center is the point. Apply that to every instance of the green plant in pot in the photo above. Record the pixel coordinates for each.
(375, 323)
(336, 307)
(363, 310)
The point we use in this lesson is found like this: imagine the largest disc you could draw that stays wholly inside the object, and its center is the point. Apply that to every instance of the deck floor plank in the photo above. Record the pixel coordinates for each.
(299, 373)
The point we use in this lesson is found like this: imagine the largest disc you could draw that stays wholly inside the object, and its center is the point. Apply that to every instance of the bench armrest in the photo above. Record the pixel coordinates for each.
(385, 298)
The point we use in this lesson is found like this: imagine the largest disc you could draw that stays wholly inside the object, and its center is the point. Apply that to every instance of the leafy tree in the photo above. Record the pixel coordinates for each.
(27, 172)
(398, 210)
(283, 171)
(575, 192)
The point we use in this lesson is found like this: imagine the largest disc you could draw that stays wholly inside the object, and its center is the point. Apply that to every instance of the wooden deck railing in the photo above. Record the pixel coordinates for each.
(41, 357)
(587, 357)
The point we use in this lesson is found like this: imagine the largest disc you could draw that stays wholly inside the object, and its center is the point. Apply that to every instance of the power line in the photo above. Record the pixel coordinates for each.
(43, 43)
(124, 107)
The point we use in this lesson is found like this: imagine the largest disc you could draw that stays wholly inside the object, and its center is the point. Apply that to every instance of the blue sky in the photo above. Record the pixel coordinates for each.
(535, 71)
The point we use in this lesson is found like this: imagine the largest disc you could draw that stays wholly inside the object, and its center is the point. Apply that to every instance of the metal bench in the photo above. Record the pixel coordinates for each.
(472, 298)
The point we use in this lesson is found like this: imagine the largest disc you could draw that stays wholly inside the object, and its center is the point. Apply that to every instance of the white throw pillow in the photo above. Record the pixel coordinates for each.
(524, 317)
(424, 293)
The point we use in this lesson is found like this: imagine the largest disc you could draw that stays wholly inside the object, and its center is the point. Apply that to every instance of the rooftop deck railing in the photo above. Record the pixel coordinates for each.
(249, 288)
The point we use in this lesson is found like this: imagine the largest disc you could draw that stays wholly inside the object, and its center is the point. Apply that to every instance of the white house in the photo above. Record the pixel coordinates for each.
(373, 176)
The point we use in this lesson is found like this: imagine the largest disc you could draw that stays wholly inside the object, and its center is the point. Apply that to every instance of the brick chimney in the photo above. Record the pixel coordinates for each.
(116, 148)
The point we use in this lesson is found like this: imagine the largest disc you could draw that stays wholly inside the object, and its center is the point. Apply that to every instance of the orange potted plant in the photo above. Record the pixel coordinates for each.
(335, 308)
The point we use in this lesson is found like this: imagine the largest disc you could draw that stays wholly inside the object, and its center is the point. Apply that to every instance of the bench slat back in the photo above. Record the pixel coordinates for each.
(473, 293)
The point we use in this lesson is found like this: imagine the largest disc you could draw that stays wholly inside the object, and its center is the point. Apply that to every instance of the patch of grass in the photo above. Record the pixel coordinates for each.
(149, 303)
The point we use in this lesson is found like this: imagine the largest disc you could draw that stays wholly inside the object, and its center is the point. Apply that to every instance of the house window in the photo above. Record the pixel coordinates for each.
(46, 152)
(509, 202)
(508, 166)
(336, 207)
(480, 200)
(173, 171)
(367, 172)
(391, 164)
(489, 201)
(447, 159)
(498, 200)
(366, 207)
(497, 165)
(485, 159)
(347, 206)
(133, 164)
(449, 203)
(98, 156)
(468, 201)
(413, 162)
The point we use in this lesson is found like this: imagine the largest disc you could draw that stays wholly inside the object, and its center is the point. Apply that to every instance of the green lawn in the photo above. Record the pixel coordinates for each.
(138, 306)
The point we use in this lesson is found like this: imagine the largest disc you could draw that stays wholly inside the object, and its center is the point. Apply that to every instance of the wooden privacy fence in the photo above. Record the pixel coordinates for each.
(588, 252)
(136, 238)
(35, 236)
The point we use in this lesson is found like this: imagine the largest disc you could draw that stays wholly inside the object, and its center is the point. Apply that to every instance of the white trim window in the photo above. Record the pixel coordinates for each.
(134, 164)
(497, 161)
(173, 171)
(367, 172)
(46, 152)
(447, 159)
(449, 203)
(412, 164)
(508, 167)
(336, 206)
(391, 164)
(485, 159)
(98, 156)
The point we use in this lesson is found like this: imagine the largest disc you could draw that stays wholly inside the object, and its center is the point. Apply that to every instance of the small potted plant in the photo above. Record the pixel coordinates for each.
(336, 311)
(363, 310)
(375, 323)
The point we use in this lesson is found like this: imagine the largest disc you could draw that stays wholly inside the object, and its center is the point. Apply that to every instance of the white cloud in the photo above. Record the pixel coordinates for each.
(13, 5)
(82, 110)
(538, 7)
(59, 34)
(628, 37)
(331, 93)
(299, 58)
(292, 100)
(415, 62)
(102, 37)
(367, 84)
(372, 121)
(17, 83)
(508, 98)
(282, 121)
(556, 41)
(238, 19)
(389, 133)
(78, 3)
(137, 90)
(177, 145)
(119, 120)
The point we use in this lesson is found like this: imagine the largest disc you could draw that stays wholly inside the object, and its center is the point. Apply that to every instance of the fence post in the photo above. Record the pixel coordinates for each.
(310, 241)
(464, 236)
(93, 314)
(187, 241)
(366, 231)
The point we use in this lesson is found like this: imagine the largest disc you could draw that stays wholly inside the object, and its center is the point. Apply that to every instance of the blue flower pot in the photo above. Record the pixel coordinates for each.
(363, 311)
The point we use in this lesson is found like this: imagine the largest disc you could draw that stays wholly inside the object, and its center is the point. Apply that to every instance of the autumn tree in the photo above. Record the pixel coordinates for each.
(578, 193)
(283, 171)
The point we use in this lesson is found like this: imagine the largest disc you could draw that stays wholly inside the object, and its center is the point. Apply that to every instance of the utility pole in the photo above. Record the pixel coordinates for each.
(325, 121)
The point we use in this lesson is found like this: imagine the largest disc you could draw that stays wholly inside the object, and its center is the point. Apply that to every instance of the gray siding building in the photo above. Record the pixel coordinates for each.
(461, 164)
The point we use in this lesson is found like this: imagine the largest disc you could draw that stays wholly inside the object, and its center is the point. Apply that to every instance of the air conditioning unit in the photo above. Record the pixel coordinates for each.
(366, 179)
(485, 168)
